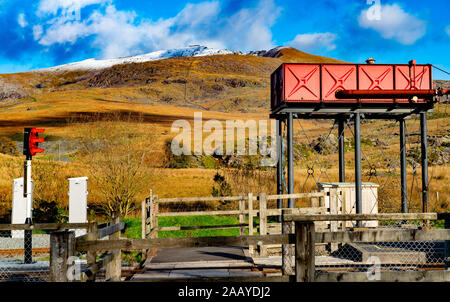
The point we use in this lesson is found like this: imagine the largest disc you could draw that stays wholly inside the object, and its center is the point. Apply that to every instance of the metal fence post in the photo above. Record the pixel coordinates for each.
(62, 246)
(304, 252)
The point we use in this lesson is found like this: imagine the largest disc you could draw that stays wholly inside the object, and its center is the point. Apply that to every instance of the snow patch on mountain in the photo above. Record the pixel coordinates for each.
(190, 51)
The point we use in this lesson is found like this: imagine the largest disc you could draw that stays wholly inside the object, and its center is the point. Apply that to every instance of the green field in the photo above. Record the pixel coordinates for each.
(133, 226)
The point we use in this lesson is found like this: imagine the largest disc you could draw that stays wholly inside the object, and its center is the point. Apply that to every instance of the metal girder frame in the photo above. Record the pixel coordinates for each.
(341, 115)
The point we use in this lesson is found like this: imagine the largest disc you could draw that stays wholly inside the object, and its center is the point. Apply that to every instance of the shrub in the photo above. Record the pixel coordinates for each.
(7, 146)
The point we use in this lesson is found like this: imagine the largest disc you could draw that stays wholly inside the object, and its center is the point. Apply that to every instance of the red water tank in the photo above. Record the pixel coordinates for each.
(300, 84)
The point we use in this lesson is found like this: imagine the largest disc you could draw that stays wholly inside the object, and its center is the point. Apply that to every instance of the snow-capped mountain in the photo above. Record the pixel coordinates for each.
(190, 51)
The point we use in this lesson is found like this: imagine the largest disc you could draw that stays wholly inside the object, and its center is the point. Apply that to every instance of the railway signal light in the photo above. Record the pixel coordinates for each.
(31, 142)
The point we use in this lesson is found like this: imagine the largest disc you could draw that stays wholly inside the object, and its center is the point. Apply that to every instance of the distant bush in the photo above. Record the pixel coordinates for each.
(7, 146)
(209, 162)
(175, 161)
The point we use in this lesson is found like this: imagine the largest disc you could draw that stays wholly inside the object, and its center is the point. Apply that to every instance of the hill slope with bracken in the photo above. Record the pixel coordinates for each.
(195, 77)
(207, 80)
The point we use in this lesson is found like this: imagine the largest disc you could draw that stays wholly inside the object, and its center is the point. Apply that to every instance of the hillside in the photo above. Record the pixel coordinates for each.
(225, 82)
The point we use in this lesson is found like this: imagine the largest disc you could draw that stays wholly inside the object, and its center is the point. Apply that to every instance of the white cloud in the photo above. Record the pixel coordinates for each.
(312, 42)
(52, 6)
(394, 23)
(22, 21)
(122, 33)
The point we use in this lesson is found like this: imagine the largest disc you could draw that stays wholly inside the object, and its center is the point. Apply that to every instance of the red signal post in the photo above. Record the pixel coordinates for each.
(35, 140)
(31, 142)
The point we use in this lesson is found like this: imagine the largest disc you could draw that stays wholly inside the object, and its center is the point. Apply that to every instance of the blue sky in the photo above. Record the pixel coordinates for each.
(44, 33)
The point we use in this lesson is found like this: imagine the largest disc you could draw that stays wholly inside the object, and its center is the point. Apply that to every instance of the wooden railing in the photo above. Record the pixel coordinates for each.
(111, 259)
(246, 209)
(305, 238)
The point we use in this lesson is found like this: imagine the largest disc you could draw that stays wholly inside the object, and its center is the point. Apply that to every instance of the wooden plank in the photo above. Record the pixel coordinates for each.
(139, 244)
(304, 252)
(297, 195)
(295, 211)
(194, 199)
(44, 226)
(320, 237)
(382, 236)
(413, 276)
(110, 230)
(199, 213)
(89, 273)
(203, 227)
(343, 217)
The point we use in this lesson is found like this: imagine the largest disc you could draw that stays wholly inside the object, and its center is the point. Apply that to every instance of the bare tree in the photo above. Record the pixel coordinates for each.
(110, 148)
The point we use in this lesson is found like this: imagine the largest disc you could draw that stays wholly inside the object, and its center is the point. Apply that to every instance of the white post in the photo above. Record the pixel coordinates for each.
(28, 192)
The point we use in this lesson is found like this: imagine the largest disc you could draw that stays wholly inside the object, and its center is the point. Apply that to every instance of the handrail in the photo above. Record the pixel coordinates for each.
(361, 217)
(43, 226)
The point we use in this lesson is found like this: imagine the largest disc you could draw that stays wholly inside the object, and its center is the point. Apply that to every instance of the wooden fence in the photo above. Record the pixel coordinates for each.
(305, 237)
(246, 209)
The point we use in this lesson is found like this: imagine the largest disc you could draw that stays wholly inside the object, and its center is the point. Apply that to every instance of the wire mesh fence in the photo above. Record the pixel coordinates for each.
(387, 256)
(15, 261)
(398, 256)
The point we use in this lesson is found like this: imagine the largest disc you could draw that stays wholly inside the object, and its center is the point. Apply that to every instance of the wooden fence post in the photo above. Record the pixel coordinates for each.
(250, 220)
(144, 216)
(262, 221)
(314, 200)
(114, 267)
(155, 212)
(62, 246)
(304, 252)
(92, 255)
(333, 210)
(242, 215)
(286, 249)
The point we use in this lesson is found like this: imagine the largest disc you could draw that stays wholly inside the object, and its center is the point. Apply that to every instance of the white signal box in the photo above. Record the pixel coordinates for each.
(19, 206)
(78, 192)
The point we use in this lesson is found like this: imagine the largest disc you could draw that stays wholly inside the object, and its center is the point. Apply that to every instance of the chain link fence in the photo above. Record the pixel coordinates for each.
(402, 256)
(387, 256)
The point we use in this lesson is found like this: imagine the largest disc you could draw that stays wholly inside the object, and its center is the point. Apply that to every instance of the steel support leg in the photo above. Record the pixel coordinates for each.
(404, 205)
(424, 152)
(341, 150)
(279, 166)
(290, 149)
(358, 183)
